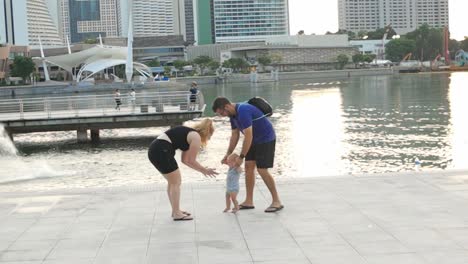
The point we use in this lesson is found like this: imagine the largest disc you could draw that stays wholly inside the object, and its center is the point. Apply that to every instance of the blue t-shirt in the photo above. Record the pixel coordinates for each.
(249, 116)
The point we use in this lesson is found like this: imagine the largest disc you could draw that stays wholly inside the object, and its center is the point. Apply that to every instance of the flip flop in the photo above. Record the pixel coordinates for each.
(184, 218)
(273, 209)
(186, 213)
(246, 207)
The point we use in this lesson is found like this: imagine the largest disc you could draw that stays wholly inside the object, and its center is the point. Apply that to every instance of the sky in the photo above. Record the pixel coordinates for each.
(320, 16)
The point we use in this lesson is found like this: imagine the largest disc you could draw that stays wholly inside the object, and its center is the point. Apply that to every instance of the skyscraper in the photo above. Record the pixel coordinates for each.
(25, 21)
(203, 13)
(249, 20)
(403, 15)
(83, 19)
(158, 17)
(189, 22)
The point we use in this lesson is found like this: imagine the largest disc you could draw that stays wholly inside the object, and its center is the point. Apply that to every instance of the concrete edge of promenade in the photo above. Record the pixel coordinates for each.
(414, 217)
(161, 184)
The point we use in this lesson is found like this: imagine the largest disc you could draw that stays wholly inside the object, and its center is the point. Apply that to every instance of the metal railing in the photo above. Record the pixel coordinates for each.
(98, 105)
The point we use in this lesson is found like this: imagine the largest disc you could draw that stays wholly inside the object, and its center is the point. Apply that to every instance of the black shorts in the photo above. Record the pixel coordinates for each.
(161, 154)
(263, 154)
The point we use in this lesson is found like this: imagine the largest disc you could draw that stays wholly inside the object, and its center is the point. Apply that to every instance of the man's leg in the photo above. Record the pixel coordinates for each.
(249, 182)
(270, 183)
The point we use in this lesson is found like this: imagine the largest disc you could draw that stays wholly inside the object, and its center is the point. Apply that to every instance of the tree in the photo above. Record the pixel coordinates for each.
(202, 62)
(379, 33)
(213, 65)
(276, 59)
(454, 46)
(351, 34)
(153, 63)
(361, 34)
(357, 58)
(464, 44)
(237, 64)
(90, 41)
(301, 32)
(179, 64)
(396, 49)
(167, 70)
(342, 60)
(264, 60)
(22, 67)
(429, 42)
(369, 57)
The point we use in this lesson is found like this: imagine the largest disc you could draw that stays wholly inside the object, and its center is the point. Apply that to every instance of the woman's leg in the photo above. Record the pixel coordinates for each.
(174, 181)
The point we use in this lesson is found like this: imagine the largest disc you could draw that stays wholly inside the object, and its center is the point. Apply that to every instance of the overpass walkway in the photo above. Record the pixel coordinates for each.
(95, 112)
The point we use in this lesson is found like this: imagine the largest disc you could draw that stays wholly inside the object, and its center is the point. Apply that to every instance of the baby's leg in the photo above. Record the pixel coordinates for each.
(234, 201)
(228, 202)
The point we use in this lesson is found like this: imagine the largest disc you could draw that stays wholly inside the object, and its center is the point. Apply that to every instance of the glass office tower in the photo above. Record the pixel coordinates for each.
(250, 20)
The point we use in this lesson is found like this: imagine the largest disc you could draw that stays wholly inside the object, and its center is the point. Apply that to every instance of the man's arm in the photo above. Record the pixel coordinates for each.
(235, 134)
(248, 137)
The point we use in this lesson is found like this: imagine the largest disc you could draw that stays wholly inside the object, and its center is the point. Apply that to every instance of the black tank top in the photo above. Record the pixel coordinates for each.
(178, 137)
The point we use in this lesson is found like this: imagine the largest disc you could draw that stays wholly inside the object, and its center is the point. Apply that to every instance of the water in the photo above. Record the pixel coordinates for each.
(328, 127)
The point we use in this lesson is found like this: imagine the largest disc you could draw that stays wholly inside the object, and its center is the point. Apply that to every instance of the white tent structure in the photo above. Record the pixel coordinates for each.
(94, 60)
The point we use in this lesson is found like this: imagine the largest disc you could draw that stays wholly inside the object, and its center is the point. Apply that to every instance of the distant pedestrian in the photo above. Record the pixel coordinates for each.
(193, 95)
(118, 99)
(133, 99)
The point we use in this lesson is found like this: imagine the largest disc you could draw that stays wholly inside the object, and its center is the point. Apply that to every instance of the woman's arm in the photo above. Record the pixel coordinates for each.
(189, 157)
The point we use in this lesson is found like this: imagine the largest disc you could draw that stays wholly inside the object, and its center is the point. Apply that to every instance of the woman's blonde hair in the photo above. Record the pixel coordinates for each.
(205, 128)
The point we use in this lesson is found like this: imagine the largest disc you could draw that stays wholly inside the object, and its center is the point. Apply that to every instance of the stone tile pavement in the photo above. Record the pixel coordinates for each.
(367, 219)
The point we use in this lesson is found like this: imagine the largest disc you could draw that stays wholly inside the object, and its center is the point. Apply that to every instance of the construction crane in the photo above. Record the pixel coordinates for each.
(407, 57)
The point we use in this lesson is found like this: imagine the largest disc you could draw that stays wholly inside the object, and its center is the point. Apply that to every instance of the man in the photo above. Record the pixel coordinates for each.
(258, 148)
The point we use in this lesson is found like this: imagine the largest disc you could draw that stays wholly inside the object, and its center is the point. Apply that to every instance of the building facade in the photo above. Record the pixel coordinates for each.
(166, 49)
(158, 17)
(367, 47)
(7, 55)
(249, 20)
(84, 19)
(403, 15)
(25, 21)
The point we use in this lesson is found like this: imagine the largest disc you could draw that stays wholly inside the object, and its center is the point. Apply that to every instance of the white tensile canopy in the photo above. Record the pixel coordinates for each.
(94, 60)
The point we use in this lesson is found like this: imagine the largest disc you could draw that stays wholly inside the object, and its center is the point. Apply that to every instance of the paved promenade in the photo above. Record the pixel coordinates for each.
(394, 219)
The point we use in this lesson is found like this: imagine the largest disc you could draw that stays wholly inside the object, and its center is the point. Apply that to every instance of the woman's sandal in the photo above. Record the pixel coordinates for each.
(184, 218)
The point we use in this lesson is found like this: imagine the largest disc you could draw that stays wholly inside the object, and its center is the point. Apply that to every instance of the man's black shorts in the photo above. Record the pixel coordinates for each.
(161, 154)
(263, 154)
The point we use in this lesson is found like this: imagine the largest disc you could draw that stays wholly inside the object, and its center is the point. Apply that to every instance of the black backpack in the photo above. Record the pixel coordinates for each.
(262, 105)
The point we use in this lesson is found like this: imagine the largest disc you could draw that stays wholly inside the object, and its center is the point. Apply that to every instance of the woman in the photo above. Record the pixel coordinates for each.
(162, 151)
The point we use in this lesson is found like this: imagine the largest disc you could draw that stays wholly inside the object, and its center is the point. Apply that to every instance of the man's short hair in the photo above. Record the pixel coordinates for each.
(219, 103)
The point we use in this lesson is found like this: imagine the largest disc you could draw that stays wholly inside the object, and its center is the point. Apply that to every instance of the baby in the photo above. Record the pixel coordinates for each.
(232, 183)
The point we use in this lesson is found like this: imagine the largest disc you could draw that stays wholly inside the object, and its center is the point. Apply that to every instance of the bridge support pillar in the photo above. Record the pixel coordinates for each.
(82, 135)
(10, 135)
(94, 135)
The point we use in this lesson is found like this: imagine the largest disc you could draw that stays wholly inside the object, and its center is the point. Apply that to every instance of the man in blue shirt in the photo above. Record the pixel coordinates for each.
(258, 147)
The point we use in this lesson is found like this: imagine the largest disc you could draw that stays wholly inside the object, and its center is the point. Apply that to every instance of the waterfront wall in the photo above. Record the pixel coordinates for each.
(266, 77)
(183, 83)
